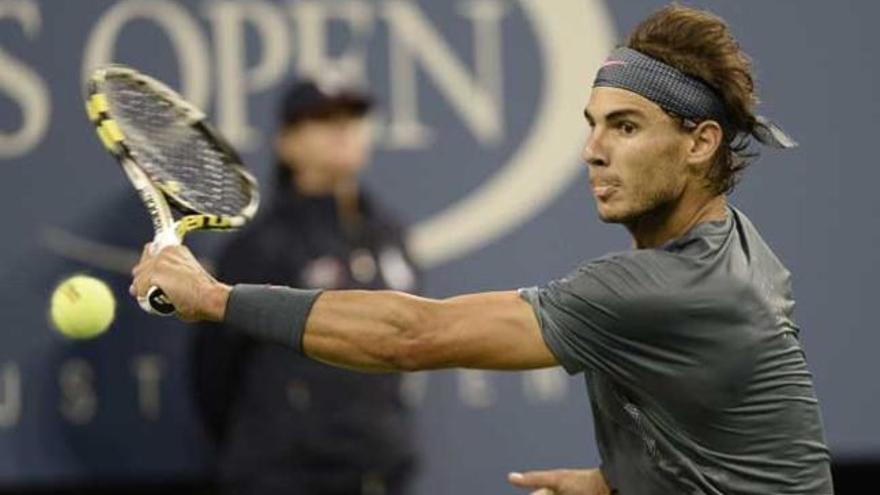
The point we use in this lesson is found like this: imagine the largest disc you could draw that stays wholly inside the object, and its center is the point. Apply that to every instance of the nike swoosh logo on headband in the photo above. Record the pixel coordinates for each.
(612, 62)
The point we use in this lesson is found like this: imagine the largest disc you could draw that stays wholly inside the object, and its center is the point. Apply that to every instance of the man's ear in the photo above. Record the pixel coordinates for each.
(706, 138)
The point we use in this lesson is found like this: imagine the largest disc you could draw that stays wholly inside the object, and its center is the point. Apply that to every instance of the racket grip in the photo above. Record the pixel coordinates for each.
(156, 303)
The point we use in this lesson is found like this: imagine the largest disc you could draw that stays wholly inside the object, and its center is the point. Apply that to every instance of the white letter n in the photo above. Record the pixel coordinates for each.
(476, 98)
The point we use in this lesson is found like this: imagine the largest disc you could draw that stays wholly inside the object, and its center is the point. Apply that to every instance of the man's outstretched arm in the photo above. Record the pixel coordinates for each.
(374, 330)
(396, 331)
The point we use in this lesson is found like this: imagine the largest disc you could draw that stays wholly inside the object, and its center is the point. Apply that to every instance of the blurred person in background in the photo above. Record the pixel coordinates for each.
(283, 423)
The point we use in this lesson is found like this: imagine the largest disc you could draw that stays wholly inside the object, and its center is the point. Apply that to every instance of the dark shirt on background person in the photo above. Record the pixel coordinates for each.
(281, 422)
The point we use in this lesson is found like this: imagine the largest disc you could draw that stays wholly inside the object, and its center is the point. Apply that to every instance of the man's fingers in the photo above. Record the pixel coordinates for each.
(146, 252)
(146, 275)
(516, 479)
(140, 284)
(138, 268)
(144, 271)
(535, 479)
(543, 491)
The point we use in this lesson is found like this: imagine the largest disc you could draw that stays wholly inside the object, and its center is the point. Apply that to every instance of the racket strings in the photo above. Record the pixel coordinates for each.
(172, 152)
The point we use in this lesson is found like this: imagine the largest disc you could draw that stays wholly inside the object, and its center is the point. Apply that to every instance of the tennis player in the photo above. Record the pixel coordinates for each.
(696, 377)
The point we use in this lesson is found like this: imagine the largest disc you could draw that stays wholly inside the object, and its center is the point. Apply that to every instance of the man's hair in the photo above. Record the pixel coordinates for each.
(701, 45)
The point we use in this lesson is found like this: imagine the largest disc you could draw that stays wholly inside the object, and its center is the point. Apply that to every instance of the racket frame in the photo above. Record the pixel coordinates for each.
(160, 196)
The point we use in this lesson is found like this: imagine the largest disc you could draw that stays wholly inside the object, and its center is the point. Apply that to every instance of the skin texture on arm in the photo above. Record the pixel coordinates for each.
(374, 330)
(387, 330)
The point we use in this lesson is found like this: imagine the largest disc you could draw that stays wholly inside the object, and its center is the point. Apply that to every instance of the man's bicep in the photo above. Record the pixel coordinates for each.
(493, 330)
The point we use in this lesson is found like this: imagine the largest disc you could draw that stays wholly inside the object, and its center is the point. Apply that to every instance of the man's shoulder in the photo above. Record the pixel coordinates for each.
(650, 279)
(620, 275)
(645, 265)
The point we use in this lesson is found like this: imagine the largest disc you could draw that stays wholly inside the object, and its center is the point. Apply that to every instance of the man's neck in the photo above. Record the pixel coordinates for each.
(312, 183)
(672, 221)
(346, 194)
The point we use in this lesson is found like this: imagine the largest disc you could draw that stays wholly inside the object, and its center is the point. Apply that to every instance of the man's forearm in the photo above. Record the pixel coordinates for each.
(394, 331)
(368, 330)
(365, 330)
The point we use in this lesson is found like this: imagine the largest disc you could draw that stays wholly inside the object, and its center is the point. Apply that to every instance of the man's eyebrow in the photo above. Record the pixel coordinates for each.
(616, 114)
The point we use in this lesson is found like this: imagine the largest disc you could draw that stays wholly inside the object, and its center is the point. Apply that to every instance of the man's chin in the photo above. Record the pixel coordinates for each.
(611, 216)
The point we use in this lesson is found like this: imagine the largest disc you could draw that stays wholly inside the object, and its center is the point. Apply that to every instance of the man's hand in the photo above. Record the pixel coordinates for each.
(194, 292)
(562, 482)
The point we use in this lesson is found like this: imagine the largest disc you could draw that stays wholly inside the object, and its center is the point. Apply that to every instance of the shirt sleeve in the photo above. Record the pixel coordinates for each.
(609, 316)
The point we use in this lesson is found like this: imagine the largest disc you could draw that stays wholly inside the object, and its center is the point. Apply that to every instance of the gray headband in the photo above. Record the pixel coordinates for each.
(679, 93)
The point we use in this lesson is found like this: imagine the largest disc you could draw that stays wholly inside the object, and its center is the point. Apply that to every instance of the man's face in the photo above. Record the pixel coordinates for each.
(337, 145)
(635, 153)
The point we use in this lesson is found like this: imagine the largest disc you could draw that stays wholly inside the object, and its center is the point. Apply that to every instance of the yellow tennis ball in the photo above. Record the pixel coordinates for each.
(82, 307)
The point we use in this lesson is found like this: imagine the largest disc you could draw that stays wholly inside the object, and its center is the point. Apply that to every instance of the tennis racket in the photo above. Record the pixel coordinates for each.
(173, 158)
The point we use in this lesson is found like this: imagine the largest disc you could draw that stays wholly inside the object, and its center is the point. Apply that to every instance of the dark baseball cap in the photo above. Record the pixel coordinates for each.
(306, 98)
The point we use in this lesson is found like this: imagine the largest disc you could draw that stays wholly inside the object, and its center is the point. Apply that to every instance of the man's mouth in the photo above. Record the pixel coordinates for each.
(604, 192)
(605, 187)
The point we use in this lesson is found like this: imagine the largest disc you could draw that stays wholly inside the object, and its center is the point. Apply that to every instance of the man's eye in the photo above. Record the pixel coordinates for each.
(627, 127)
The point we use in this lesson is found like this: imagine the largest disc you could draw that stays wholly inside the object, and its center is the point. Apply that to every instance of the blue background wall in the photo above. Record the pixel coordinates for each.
(468, 90)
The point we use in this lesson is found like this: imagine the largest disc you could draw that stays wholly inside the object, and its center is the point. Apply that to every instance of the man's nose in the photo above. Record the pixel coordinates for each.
(594, 152)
